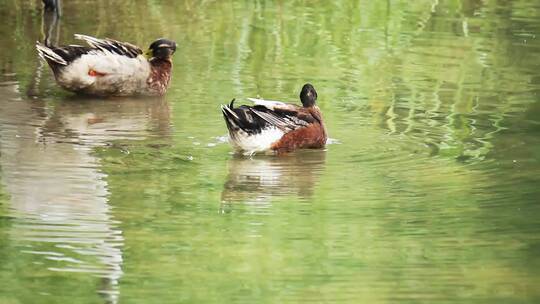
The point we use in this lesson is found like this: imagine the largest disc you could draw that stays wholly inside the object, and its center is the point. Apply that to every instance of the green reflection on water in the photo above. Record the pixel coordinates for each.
(430, 194)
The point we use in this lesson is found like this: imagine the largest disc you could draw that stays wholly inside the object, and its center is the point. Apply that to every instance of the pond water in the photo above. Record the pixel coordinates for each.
(428, 191)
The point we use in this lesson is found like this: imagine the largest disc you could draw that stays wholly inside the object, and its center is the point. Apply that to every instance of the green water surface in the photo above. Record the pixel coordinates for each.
(428, 191)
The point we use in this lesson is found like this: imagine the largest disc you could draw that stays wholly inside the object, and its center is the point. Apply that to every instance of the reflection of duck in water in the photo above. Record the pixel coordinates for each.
(57, 190)
(96, 123)
(51, 5)
(259, 179)
(111, 68)
(276, 126)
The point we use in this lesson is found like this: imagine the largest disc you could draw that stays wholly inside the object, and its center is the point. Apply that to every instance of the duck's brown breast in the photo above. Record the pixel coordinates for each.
(160, 75)
(312, 136)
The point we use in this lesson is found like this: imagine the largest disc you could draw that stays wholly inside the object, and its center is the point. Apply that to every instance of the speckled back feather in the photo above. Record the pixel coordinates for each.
(113, 46)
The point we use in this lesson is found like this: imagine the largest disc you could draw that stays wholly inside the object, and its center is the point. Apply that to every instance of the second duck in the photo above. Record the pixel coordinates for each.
(274, 126)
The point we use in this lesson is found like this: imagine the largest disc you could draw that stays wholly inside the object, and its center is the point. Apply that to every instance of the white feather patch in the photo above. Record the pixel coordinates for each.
(269, 104)
(260, 142)
(130, 74)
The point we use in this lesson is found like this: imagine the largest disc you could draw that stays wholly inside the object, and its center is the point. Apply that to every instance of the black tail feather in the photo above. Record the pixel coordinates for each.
(242, 118)
(58, 57)
(229, 119)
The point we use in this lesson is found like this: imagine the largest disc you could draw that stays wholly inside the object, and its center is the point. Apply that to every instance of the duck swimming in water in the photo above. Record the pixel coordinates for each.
(274, 126)
(111, 68)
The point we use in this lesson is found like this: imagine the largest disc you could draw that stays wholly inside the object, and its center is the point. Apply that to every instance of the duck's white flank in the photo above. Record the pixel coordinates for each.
(253, 143)
(114, 69)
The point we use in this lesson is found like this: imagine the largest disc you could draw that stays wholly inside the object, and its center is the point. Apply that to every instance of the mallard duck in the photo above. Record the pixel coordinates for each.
(111, 68)
(274, 126)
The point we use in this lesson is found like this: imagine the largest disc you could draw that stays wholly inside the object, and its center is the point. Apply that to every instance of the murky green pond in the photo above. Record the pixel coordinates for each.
(428, 193)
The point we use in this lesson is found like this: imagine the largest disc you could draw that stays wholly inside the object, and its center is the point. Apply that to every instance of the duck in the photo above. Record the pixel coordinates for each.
(108, 67)
(274, 126)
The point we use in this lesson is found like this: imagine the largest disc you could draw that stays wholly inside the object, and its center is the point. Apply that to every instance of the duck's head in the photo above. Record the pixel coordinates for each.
(308, 95)
(161, 48)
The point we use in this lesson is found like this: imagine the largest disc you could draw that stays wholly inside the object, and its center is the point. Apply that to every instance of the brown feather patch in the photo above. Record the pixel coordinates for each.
(310, 137)
(160, 75)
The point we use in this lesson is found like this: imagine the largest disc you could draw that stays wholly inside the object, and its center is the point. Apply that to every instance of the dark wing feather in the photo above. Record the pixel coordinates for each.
(285, 120)
(242, 118)
(284, 115)
(57, 57)
(71, 52)
(113, 46)
(257, 118)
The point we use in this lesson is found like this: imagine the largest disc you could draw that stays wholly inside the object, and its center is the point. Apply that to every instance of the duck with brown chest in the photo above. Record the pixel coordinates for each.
(111, 68)
(274, 126)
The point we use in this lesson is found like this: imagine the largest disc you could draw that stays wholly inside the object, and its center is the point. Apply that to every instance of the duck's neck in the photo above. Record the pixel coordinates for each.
(160, 75)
